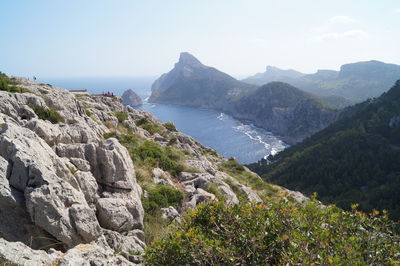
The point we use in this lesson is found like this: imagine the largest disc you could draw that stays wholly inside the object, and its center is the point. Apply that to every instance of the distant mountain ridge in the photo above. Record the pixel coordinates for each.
(277, 107)
(356, 81)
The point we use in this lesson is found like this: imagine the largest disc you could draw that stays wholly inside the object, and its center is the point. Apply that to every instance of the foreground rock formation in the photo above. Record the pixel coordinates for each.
(69, 195)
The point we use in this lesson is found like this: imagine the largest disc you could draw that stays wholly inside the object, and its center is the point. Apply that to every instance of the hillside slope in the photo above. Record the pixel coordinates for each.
(354, 160)
(284, 110)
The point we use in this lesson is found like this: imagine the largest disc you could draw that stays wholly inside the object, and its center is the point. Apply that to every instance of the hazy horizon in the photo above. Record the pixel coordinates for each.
(123, 38)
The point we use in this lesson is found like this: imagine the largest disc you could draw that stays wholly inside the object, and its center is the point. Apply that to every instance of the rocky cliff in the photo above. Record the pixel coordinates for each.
(191, 83)
(284, 110)
(277, 107)
(78, 175)
(129, 97)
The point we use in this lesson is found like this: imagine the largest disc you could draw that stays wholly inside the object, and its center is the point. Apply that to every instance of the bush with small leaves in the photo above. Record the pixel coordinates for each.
(278, 233)
(121, 116)
(51, 114)
(170, 126)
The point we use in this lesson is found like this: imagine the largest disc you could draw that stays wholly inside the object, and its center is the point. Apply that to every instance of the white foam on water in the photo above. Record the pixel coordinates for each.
(272, 144)
(222, 116)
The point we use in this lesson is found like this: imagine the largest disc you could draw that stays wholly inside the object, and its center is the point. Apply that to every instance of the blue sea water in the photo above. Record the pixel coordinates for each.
(228, 136)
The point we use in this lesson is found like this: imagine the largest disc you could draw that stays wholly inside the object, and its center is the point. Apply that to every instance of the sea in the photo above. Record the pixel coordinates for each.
(230, 137)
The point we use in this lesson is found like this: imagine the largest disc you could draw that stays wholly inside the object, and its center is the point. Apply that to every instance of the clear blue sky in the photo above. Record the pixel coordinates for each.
(144, 38)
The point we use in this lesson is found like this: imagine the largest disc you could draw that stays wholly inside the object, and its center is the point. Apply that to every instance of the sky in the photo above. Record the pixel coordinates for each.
(120, 38)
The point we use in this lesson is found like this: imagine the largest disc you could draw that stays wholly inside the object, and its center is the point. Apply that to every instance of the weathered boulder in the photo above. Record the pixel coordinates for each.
(19, 253)
(127, 241)
(63, 212)
(112, 165)
(171, 214)
(119, 215)
(161, 177)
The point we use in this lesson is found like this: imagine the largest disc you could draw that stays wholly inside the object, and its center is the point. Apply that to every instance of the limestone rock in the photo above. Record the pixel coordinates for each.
(20, 254)
(117, 215)
(127, 241)
(113, 166)
(57, 208)
(171, 214)
(91, 254)
(129, 97)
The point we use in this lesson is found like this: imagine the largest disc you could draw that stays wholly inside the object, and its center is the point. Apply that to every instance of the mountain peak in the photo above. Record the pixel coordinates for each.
(186, 58)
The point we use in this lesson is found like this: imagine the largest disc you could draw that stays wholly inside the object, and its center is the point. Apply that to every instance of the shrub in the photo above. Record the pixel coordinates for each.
(170, 126)
(277, 233)
(162, 196)
(166, 158)
(87, 112)
(141, 121)
(213, 189)
(121, 116)
(236, 189)
(7, 84)
(51, 114)
(150, 126)
(153, 154)
(108, 135)
(233, 165)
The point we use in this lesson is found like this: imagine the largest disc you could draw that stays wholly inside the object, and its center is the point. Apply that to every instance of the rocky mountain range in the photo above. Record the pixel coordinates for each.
(355, 82)
(277, 107)
(85, 180)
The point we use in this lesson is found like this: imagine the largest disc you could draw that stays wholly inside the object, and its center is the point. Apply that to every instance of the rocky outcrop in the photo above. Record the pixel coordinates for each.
(129, 97)
(57, 179)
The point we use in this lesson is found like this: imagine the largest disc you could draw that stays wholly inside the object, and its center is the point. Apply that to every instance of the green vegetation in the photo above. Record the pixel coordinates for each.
(112, 134)
(151, 127)
(213, 189)
(162, 196)
(51, 114)
(237, 171)
(170, 126)
(150, 154)
(88, 112)
(355, 160)
(121, 116)
(8, 84)
(242, 197)
(276, 233)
